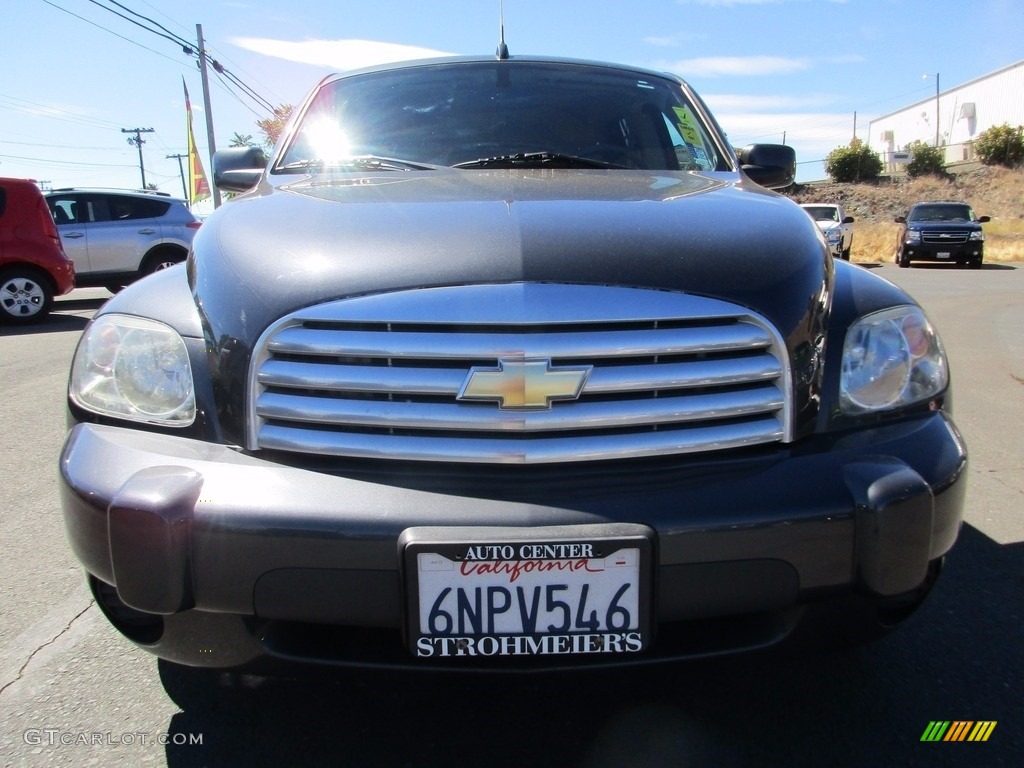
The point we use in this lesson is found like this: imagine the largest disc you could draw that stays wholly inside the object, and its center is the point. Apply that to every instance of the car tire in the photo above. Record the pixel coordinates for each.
(845, 255)
(26, 295)
(161, 259)
(975, 264)
(903, 260)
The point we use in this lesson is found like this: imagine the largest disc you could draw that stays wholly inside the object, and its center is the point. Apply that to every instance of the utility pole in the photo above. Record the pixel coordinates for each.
(181, 172)
(137, 141)
(206, 107)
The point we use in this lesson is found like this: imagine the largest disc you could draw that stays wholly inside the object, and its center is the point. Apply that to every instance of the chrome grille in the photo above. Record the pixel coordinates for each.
(944, 238)
(380, 376)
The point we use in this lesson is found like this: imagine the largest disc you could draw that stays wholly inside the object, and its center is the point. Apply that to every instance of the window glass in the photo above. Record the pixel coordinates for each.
(943, 212)
(64, 209)
(121, 207)
(823, 213)
(455, 113)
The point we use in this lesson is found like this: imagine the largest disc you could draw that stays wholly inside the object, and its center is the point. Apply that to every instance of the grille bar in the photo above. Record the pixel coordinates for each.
(382, 376)
(484, 417)
(544, 450)
(401, 380)
(473, 346)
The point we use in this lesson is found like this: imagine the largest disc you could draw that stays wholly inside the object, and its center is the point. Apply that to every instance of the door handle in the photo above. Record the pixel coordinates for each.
(147, 231)
(73, 235)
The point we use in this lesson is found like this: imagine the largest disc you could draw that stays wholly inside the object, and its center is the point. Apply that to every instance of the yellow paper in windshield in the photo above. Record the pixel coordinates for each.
(687, 126)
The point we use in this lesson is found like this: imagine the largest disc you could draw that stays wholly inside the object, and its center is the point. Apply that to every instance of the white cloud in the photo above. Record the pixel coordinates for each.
(336, 54)
(712, 66)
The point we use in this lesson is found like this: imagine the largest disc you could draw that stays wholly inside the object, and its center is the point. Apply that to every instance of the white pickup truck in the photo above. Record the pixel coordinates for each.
(835, 225)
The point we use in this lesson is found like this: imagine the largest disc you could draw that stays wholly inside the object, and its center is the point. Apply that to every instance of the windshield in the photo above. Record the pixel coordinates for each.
(484, 114)
(942, 213)
(822, 212)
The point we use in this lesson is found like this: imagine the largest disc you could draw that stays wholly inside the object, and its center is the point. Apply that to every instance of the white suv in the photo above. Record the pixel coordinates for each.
(117, 236)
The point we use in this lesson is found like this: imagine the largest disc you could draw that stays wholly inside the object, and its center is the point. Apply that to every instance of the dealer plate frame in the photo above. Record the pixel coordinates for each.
(455, 544)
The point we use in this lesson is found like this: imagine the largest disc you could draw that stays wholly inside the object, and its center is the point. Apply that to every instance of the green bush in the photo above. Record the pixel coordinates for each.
(1001, 145)
(855, 162)
(927, 160)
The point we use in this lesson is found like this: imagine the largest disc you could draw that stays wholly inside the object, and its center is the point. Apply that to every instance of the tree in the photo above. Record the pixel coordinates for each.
(242, 140)
(927, 160)
(855, 162)
(271, 127)
(1001, 145)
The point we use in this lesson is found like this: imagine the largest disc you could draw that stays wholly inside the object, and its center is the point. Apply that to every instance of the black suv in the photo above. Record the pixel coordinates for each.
(941, 232)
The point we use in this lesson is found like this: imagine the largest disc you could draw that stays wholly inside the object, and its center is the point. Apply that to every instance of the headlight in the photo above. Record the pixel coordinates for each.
(133, 368)
(833, 235)
(979, 235)
(891, 359)
(913, 236)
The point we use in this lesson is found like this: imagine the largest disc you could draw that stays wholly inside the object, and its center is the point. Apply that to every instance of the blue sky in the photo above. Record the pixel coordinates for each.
(75, 74)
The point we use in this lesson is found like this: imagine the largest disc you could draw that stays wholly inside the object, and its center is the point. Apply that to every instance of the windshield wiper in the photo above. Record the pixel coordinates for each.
(543, 159)
(359, 162)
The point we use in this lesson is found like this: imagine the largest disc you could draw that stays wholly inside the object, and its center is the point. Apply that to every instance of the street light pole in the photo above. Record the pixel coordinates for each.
(936, 109)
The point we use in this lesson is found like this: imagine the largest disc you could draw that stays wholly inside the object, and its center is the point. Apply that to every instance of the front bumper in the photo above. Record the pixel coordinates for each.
(971, 251)
(240, 559)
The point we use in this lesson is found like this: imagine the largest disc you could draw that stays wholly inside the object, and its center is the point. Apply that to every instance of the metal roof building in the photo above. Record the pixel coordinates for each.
(952, 119)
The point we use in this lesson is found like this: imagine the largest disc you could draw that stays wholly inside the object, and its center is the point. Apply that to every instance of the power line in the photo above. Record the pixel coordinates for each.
(31, 107)
(185, 45)
(110, 31)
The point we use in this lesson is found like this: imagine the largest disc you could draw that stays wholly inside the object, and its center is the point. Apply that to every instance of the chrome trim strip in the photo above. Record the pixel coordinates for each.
(535, 451)
(471, 417)
(474, 346)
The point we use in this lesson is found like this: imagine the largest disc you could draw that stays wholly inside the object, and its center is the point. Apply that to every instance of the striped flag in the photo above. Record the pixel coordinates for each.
(198, 186)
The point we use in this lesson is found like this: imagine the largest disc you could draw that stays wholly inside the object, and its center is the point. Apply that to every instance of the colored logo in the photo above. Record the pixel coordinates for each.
(522, 384)
(958, 730)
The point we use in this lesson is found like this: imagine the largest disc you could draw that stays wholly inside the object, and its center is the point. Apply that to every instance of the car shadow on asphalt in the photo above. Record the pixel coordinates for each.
(988, 265)
(63, 318)
(960, 658)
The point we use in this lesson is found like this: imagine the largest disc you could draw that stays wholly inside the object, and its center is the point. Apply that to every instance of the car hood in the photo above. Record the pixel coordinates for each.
(320, 239)
(825, 226)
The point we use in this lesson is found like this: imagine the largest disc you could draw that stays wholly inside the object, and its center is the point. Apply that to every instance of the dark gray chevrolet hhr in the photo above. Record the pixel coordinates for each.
(507, 362)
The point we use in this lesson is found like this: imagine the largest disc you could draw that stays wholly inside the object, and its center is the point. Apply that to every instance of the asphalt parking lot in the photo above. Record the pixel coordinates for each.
(72, 692)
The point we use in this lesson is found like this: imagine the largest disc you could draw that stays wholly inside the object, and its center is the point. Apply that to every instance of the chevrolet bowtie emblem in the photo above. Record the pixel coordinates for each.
(521, 384)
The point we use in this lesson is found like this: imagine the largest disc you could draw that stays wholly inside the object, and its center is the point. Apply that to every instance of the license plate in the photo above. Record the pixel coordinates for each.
(942, 255)
(528, 598)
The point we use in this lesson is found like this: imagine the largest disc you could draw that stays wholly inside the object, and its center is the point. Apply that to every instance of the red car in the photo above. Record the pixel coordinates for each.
(33, 265)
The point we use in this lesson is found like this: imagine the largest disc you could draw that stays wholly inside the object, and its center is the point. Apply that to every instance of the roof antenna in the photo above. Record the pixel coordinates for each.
(502, 52)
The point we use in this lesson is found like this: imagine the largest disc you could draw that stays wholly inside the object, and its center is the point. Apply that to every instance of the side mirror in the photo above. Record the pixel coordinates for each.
(770, 165)
(984, 219)
(900, 219)
(848, 220)
(238, 169)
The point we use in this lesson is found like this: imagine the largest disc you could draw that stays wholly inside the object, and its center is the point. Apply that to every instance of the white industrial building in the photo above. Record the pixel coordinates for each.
(955, 117)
